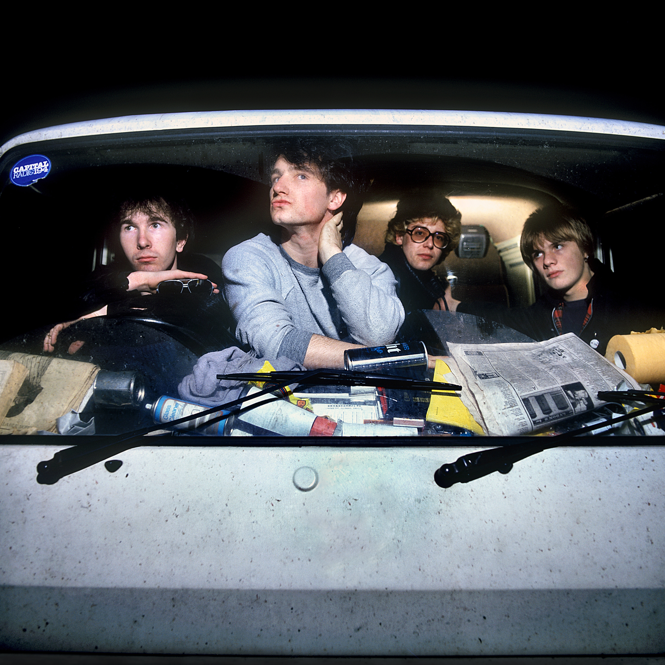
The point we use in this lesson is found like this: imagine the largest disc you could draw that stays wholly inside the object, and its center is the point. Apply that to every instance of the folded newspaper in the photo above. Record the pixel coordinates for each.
(513, 389)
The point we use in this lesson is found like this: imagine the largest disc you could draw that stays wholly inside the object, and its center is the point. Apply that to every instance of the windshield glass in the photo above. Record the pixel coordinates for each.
(332, 280)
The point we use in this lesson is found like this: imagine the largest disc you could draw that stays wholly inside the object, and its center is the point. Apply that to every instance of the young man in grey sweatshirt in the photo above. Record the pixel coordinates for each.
(308, 293)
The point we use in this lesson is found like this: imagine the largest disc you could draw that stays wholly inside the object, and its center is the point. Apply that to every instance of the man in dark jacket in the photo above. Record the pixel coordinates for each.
(148, 235)
(582, 296)
(423, 232)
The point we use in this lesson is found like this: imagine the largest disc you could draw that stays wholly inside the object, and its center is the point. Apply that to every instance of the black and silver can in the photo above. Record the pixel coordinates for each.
(391, 356)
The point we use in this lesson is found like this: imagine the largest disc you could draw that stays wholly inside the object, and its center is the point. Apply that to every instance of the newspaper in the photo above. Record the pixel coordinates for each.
(518, 388)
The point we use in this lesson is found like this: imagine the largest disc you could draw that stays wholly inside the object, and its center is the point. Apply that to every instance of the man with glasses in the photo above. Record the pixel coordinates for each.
(149, 234)
(424, 230)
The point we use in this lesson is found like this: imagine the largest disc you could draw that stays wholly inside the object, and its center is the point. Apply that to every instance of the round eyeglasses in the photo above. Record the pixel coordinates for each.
(199, 287)
(420, 234)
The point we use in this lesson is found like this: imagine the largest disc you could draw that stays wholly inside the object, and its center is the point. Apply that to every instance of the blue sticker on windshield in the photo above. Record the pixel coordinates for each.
(29, 170)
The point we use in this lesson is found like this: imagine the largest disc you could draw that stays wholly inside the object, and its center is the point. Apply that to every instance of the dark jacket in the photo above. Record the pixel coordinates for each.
(107, 285)
(417, 289)
(615, 310)
(207, 319)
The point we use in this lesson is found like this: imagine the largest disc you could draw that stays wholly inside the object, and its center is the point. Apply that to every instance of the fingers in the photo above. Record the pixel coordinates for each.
(147, 281)
(52, 337)
(182, 274)
(48, 343)
(332, 228)
(330, 238)
(74, 347)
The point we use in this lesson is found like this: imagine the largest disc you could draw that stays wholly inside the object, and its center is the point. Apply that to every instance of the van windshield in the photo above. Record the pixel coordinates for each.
(180, 283)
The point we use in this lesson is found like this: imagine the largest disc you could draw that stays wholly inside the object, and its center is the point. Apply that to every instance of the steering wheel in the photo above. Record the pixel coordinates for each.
(140, 345)
(202, 324)
(160, 337)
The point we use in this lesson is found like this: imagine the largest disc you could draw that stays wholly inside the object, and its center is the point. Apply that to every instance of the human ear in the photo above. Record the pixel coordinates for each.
(180, 245)
(399, 238)
(336, 200)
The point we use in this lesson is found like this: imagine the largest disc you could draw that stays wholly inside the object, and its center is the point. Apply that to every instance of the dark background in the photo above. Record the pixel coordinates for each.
(54, 75)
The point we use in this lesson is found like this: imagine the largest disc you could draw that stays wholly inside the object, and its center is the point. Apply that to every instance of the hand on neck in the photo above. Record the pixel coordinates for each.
(313, 245)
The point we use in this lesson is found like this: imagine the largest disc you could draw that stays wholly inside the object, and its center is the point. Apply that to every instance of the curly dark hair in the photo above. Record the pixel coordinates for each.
(424, 205)
(338, 169)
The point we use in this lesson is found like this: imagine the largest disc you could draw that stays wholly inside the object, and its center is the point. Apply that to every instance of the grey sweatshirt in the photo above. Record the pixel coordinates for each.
(278, 304)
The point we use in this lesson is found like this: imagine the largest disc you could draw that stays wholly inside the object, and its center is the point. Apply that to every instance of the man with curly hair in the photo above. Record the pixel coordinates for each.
(423, 232)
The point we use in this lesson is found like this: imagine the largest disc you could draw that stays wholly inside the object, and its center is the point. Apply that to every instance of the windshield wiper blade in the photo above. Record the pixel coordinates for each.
(342, 377)
(479, 464)
(646, 396)
(82, 455)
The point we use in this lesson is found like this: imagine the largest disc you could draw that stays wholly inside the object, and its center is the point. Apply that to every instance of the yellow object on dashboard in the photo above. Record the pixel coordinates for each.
(447, 407)
(642, 355)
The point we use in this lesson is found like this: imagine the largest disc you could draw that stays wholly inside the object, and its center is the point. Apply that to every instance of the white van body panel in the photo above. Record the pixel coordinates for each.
(227, 550)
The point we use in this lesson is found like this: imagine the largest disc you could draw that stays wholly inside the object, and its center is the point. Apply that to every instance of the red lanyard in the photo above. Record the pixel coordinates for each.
(557, 315)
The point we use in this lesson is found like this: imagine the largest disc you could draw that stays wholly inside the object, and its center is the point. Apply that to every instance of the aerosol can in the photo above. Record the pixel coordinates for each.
(167, 409)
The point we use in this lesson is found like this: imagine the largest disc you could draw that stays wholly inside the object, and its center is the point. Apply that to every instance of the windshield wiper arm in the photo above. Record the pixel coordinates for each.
(83, 455)
(482, 463)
